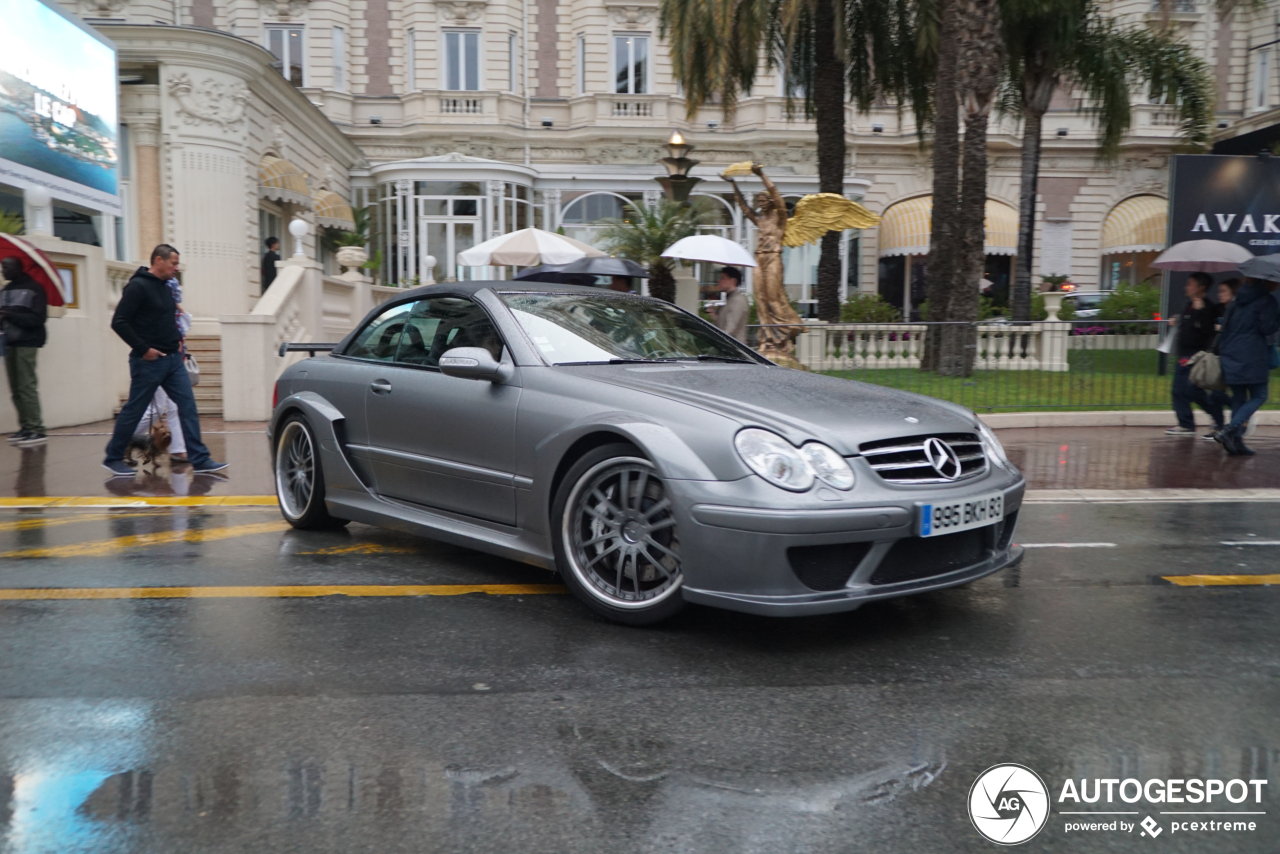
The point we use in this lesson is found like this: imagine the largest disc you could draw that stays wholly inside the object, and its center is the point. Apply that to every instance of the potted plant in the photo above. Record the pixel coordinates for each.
(351, 244)
(1053, 289)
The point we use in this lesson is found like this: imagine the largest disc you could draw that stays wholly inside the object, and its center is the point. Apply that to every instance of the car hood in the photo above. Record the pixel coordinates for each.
(796, 404)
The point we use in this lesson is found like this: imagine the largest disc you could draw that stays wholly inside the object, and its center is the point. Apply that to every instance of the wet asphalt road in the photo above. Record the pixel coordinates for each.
(519, 723)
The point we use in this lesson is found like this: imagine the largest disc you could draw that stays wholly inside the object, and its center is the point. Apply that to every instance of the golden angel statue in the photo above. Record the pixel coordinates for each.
(814, 216)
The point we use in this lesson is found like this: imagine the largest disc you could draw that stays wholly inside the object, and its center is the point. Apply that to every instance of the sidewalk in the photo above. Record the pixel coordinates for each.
(1050, 457)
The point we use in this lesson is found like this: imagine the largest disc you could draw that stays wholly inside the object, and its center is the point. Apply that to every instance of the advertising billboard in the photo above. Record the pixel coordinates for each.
(59, 122)
(1220, 197)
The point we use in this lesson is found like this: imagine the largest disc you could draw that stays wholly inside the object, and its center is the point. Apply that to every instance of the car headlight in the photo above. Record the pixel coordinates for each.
(827, 465)
(782, 464)
(994, 449)
(774, 459)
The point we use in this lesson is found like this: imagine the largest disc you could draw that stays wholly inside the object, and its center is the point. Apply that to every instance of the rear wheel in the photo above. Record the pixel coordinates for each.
(299, 479)
(616, 542)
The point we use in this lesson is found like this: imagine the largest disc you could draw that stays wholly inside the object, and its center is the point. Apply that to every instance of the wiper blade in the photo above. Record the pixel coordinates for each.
(615, 362)
(725, 359)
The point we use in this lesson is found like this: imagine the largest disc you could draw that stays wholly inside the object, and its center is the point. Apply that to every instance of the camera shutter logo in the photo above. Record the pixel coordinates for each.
(943, 458)
(1009, 804)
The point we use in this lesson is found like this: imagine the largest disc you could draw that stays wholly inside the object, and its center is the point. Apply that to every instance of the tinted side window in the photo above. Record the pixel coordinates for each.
(442, 323)
(381, 338)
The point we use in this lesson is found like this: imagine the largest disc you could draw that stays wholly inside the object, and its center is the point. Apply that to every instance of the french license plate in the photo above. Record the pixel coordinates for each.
(954, 516)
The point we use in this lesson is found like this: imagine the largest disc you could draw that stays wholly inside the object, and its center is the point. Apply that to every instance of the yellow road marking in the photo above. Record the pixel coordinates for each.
(97, 548)
(1221, 580)
(141, 501)
(364, 549)
(291, 592)
(30, 522)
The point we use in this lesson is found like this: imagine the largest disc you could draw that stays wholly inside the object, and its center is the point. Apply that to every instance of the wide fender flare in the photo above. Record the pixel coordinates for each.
(327, 422)
(674, 458)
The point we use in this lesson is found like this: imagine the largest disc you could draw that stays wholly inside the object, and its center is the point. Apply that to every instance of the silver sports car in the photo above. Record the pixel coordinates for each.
(639, 452)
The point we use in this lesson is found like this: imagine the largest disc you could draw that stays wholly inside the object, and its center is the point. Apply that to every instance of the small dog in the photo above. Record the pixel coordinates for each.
(149, 447)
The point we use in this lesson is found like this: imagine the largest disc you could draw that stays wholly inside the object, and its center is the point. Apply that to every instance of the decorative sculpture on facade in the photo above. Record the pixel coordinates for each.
(814, 216)
(222, 104)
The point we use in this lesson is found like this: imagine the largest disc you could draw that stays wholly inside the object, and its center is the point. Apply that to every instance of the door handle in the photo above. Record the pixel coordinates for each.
(381, 386)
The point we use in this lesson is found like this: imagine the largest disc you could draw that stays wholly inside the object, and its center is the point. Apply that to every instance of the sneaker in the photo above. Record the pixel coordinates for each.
(32, 439)
(118, 468)
(19, 436)
(1180, 431)
(1210, 436)
(209, 466)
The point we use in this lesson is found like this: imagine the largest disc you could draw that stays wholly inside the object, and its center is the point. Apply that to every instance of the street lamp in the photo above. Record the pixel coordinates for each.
(678, 183)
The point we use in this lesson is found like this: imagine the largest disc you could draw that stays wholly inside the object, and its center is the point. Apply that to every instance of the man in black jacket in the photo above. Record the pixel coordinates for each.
(23, 311)
(269, 261)
(1194, 331)
(146, 318)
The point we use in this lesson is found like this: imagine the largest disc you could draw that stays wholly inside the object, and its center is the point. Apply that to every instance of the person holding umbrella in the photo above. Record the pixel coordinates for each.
(23, 312)
(1251, 318)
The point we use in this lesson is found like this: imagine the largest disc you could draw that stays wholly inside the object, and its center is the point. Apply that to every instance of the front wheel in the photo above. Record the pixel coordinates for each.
(616, 542)
(299, 479)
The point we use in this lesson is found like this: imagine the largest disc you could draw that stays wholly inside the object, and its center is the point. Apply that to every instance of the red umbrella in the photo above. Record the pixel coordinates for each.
(35, 264)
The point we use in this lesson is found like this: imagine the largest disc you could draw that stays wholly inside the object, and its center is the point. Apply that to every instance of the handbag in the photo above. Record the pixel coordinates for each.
(193, 368)
(1206, 371)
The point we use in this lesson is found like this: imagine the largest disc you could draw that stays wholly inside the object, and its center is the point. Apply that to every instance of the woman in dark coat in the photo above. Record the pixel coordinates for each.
(1250, 318)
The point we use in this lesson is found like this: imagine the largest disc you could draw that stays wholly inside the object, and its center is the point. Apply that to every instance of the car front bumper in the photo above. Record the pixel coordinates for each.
(743, 557)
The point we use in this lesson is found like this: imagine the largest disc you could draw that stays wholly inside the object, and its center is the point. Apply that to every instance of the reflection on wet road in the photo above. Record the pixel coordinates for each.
(509, 720)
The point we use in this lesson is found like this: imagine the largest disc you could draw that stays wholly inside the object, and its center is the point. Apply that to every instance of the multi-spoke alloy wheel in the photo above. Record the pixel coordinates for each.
(295, 470)
(299, 480)
(619, 537)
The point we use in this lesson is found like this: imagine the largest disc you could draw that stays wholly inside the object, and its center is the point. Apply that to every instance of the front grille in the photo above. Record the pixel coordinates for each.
(826, 567)
(914, 558)
(904, 460)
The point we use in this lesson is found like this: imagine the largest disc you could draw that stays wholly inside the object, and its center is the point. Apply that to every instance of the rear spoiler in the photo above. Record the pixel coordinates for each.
(309, 349)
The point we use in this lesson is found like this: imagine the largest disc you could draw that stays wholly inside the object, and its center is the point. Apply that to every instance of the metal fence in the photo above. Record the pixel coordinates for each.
(1042, 365)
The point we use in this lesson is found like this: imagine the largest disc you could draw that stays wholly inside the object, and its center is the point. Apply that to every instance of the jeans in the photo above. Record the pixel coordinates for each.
(24, 388)
(1242, 410)
(145, 377)
(1185, 394)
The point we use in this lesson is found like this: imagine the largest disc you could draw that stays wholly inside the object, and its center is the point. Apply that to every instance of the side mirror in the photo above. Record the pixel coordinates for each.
(474, 363)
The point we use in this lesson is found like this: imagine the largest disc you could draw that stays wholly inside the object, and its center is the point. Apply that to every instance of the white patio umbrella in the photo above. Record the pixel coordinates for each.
(527, 247)
(710, 248)
(1202, 256)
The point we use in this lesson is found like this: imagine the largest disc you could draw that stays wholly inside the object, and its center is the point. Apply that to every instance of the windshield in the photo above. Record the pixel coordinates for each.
(583, 329)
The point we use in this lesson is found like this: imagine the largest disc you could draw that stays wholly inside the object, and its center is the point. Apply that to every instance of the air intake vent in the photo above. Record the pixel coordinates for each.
(944, 458)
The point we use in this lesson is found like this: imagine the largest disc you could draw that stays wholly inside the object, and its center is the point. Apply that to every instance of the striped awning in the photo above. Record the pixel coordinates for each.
(283, 181)
(331, 209)
(906, 227)
(1138, 224)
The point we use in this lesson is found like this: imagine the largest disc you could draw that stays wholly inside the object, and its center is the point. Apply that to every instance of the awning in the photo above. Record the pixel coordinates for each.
(332, 210)
(905, 228)
(283, 181)
(1138, 224)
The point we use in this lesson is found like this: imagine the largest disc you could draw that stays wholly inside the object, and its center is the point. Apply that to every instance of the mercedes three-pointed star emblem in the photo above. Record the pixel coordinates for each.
(942, 457)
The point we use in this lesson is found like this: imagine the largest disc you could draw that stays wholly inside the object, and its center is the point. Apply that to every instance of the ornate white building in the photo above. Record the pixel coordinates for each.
(459, 119)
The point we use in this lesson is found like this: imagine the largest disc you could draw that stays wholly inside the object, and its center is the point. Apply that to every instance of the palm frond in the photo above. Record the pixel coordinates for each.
(11, 223)
(643, 234)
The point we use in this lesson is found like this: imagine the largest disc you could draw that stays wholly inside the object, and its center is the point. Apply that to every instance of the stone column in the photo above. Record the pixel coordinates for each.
(146, 180)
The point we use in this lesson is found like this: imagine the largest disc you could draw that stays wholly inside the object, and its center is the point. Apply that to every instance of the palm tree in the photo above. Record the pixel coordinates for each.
(642, 234)
(11, 223)
(829, 50)
(1052, 42)
(967, 77)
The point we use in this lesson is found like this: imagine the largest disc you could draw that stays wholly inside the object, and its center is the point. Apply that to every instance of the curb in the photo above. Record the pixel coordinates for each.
(1120, 418)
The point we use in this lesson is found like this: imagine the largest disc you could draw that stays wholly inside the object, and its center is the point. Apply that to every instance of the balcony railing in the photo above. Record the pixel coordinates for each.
(469, 106)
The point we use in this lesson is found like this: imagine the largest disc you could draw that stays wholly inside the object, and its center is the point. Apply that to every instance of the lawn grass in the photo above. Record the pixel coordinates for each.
(1098, 379)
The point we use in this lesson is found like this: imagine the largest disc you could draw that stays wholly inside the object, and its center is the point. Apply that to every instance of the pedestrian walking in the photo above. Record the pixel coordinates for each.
(732, 317)
(146, 318)
(1194, 331)
(23, 312)
(269, 259)
(1247, 323)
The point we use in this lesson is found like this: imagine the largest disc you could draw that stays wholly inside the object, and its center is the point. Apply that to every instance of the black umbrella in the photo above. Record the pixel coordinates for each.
(572, 274)
(1260, 267)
